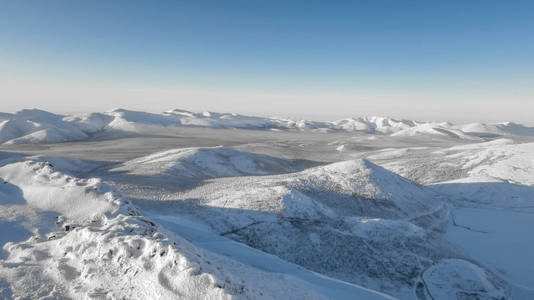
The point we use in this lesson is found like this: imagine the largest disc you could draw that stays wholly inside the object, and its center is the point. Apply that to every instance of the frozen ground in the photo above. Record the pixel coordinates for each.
(204, 205)
(479, 232)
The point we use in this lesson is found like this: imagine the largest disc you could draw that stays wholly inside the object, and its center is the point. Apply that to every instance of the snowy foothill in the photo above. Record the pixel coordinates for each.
(203, 163)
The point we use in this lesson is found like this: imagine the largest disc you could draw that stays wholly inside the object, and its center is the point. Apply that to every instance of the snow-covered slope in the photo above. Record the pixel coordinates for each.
(352, 220)
(203, 163)
(373, 124)
(491, 185)
(36, 126)
(65, 237)
(443, 129)
(177, 169)
(504, 128)
(500, 159)
(497, 173)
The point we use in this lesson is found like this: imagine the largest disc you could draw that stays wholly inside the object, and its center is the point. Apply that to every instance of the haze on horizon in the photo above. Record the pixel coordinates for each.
(449, 60)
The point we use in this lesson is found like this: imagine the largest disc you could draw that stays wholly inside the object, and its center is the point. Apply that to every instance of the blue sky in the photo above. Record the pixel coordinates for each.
(441, 60)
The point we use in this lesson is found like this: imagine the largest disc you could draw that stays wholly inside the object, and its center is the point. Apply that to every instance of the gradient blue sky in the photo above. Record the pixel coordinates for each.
(428, 60)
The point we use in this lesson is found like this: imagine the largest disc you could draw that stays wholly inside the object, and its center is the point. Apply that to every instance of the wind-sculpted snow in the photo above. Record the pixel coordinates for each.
(46, 189)
(36, 126)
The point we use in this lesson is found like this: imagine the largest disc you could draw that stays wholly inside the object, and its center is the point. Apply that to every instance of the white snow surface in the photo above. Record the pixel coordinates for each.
(479, 231)
(453, 279)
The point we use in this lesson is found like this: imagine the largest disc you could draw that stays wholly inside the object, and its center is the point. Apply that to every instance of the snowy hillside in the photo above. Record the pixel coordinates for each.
(491, 187)
(77, 238)
(203, 163)
(503, 128)
(391, 223)
(498, 172)
(443, 129)
(36, 126)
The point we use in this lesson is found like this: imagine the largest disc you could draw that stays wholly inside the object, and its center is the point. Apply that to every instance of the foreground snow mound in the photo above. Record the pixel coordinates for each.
(46, 189)
(352, 220)
(65, 237)
(123, 256)
(459, 279)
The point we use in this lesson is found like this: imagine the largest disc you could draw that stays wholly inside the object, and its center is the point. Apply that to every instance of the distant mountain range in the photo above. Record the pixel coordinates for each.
(37, 126)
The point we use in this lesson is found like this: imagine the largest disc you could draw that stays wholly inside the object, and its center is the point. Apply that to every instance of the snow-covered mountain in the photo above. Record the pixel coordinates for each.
(375, 232)
(495, 173)
(36, 126)
(504, 128)
(208, 162)
(373, 124)
(65, 237)
(351, 220)
(439, 129)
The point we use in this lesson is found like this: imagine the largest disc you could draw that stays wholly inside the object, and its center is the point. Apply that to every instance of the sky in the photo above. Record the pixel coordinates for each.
(428, 60)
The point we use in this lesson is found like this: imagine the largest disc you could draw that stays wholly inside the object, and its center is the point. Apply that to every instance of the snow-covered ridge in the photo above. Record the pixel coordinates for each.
(301, 217)
(65, 237)
(208, 162)
(353, 220)
(37, 126)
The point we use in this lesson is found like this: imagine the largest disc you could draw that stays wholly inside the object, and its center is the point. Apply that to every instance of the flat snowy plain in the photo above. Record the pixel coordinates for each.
(184, 205)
